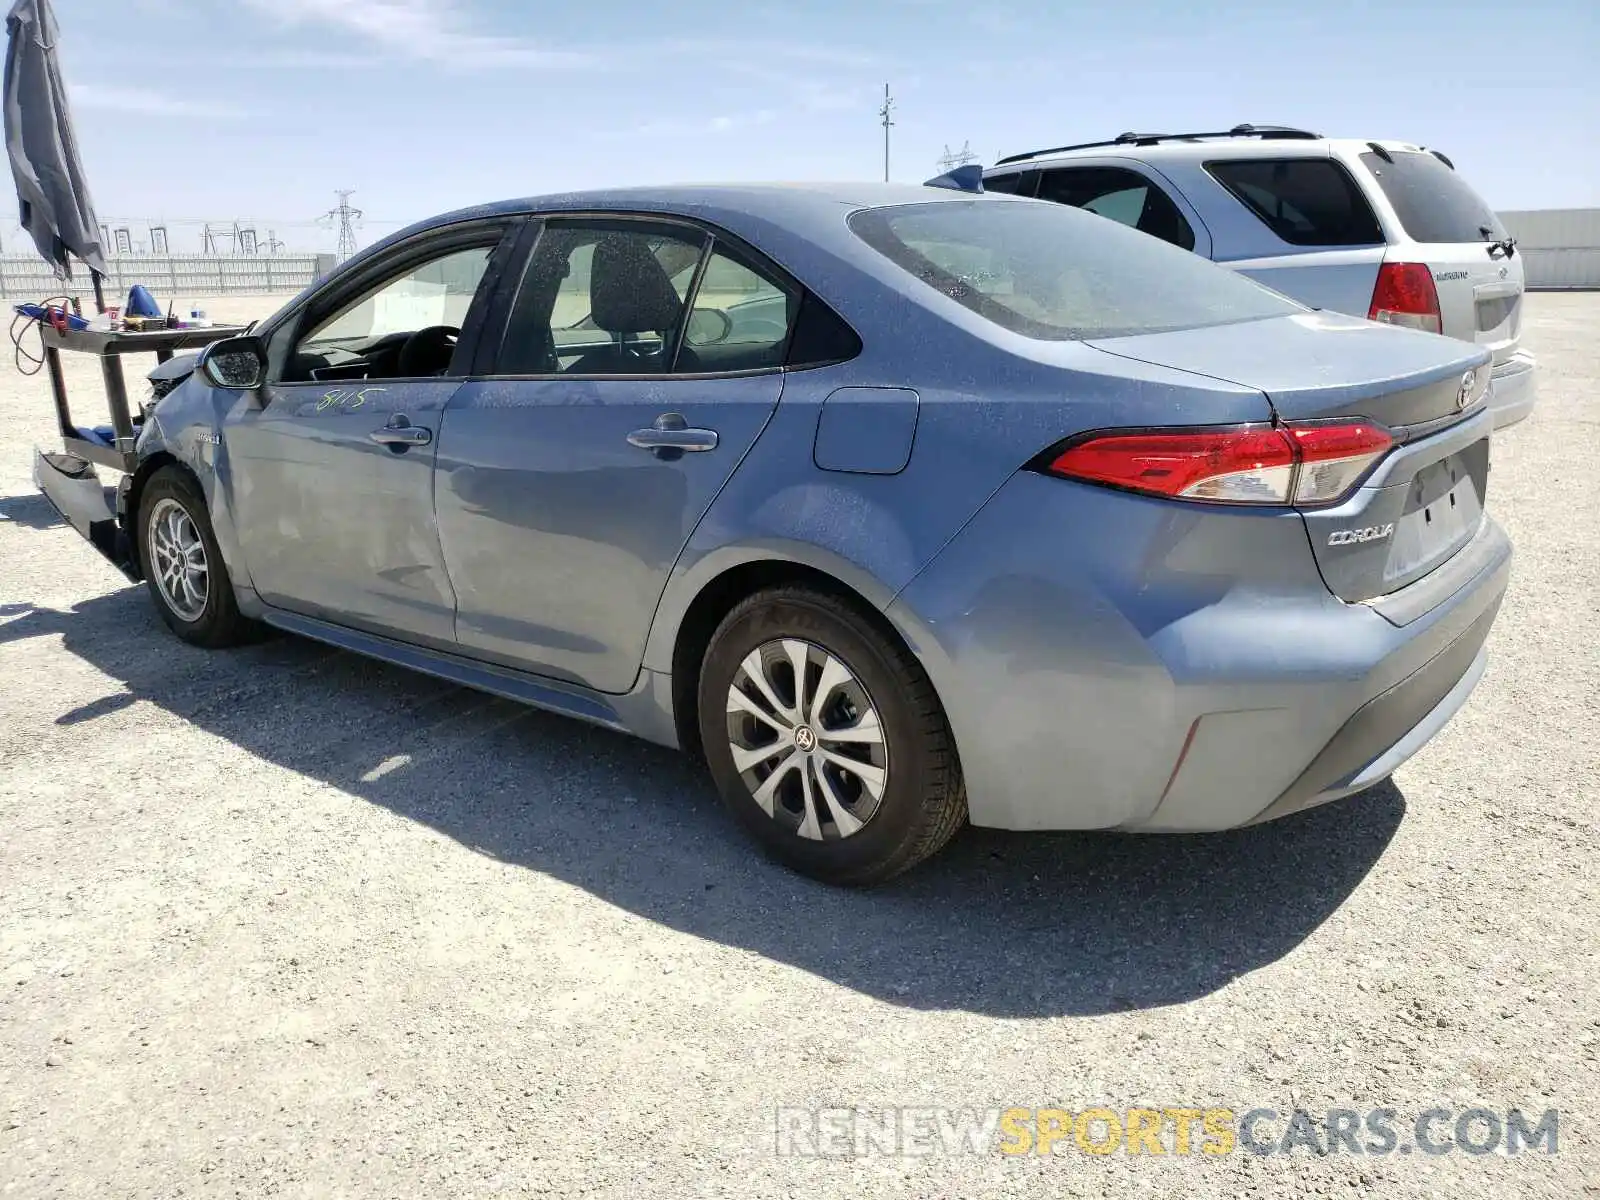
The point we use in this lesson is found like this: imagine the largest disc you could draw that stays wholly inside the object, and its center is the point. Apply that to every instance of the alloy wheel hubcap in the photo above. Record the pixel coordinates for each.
(177, 560)
(806, 739)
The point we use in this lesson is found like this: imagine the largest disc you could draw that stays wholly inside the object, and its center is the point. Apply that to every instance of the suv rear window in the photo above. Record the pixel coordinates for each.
(1055, 273)
(1305, 201)
(1434, 204)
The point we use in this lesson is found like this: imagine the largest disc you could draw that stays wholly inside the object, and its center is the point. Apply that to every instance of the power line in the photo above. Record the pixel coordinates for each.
(951, 159)
(886, 112)
(346, 216)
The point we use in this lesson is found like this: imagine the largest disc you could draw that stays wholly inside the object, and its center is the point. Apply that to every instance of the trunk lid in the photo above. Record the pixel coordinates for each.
(1424, 501)
(1314, 366)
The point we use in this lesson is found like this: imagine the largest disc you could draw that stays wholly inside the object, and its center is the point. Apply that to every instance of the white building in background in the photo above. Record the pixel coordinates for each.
(1560, 246)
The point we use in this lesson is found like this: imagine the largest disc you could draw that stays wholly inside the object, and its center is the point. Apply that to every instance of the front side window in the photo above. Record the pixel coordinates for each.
(406, 326)
(1305, 201)
(1010, 184)
(1046, 271)
(603, 298)
(1126, 197)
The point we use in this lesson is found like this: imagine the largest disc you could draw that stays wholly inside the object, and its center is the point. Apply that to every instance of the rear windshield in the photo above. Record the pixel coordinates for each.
(1055, 273)
(1305, 201)
(1434, 204)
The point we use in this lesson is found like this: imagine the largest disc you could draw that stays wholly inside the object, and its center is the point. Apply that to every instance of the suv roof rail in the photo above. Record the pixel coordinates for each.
(1287, 132)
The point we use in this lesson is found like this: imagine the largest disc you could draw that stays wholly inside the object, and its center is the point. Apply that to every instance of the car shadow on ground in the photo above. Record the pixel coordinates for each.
(1001, 924)
(30, 511)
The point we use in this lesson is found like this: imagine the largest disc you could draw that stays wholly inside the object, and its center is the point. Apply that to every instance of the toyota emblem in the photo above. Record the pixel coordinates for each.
(1464, 392)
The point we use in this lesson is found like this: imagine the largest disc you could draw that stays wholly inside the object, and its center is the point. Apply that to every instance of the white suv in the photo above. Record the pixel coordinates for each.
(1383, 230)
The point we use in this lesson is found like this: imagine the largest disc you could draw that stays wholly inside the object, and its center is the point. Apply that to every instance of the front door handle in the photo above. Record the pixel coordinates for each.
(671, 437)
(401, 434)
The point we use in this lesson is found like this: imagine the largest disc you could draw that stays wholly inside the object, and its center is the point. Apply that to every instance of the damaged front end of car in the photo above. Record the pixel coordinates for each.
(69, 478)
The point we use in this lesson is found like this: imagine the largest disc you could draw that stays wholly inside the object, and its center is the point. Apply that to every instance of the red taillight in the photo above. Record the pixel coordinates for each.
(1299, 464)
(1405, 295)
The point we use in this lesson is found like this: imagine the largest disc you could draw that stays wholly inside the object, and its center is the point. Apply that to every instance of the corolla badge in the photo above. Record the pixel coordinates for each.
(1348, 537)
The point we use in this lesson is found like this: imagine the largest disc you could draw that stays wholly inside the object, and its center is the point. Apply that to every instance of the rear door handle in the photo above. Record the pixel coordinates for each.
(400, 434)
(671, 437)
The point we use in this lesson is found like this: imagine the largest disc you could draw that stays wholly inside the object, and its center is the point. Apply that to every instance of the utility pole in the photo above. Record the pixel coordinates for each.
(346, 216)
(951, 159)
(886, 112)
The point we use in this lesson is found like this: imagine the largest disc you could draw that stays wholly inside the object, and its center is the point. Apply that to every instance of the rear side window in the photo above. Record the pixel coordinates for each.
(1434, 204)
(1049, 272)
(1123, 196)
(1305, 201)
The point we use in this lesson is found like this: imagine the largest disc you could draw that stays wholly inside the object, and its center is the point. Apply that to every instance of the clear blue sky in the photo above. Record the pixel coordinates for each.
(260, 108)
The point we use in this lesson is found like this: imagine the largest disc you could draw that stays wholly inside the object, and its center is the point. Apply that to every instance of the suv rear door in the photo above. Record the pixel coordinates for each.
(1450, 229)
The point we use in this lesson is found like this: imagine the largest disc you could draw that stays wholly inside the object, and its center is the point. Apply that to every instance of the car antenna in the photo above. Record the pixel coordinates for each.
(965, 178)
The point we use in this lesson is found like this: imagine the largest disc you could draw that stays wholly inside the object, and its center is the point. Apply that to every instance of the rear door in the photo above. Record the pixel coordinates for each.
(1449, 227)
(640, 360)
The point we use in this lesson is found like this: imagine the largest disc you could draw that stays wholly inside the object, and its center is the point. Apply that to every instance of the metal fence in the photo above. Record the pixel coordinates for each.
(1560, 247)
(170, 276)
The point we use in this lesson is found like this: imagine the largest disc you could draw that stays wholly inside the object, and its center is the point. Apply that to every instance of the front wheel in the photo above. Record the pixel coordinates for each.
(826, 740)
(183, 565)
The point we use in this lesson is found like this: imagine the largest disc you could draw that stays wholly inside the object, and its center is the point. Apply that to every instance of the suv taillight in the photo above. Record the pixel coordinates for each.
(1254, 464)
(1405, 295)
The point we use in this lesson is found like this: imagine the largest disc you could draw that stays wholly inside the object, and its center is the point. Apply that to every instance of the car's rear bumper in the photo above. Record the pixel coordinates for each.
(1111, 662)
(1513, 389)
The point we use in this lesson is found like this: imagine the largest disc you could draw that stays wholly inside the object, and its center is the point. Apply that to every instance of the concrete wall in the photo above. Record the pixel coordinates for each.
(170, 278)
(1560, 246)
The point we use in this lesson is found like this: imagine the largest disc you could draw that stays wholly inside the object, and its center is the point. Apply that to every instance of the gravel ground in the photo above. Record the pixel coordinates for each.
(285, 922)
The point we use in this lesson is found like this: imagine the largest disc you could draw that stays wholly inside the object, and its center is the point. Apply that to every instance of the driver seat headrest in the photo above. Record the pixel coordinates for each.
(629, 291)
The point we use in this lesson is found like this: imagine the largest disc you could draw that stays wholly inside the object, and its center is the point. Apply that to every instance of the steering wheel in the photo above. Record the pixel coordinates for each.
(427, 351)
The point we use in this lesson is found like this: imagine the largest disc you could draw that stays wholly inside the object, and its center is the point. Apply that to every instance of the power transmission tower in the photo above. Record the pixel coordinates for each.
(346, 216)
(951, 159)
(208, 240)
(886, 113)
(273, 244)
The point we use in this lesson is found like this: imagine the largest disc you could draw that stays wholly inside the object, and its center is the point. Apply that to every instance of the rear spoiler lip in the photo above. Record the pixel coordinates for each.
(72, 487)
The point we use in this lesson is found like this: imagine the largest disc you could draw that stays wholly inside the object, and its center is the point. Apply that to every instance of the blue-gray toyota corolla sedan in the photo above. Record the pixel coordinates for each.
(902, 506)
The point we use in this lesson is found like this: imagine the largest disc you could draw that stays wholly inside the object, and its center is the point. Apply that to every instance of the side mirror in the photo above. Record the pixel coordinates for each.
(708, 326)
(239, 364)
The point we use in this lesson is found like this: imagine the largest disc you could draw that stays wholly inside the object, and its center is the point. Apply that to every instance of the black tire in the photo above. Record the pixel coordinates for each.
(923, 801)
(219, 622)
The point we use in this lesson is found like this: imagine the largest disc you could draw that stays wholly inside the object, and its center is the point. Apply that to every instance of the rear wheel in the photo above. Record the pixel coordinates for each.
(183, 565)
(826, 740)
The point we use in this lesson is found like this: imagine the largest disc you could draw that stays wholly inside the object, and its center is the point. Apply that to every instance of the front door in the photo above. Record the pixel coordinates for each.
(333, 467)
(640, 361)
